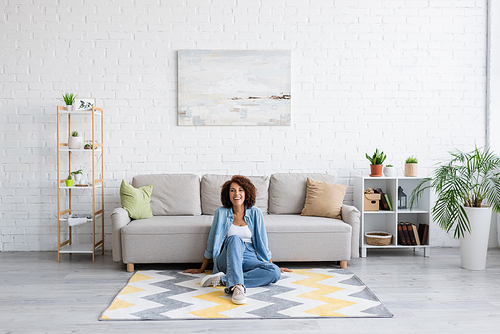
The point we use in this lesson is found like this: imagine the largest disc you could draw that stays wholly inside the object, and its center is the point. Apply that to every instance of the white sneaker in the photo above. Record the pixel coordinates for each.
(212, 280)
(239, 295)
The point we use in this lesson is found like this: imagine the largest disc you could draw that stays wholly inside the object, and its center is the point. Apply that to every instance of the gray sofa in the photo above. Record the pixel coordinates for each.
(183, 208)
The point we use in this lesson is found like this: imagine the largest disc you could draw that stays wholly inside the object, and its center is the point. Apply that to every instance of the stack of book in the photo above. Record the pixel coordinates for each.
(384, 203)
(410, 235)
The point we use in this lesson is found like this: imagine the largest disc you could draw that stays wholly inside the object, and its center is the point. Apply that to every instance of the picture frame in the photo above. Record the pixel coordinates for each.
(84, 103)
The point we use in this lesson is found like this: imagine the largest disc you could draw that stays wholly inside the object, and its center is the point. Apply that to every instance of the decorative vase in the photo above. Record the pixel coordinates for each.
(474, 246)
(75, 143)
(411, 169)
(69, 183)
(389, 171)
(376, 170)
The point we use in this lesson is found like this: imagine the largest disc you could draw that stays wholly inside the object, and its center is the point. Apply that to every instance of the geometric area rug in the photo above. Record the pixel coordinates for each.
(304, 293)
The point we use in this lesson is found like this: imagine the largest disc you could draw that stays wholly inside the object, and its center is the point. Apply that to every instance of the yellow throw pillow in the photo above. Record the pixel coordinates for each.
(323, 199)
(136, 200)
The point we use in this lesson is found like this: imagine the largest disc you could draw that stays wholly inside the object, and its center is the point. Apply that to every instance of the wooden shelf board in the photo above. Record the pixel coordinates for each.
(77, 249)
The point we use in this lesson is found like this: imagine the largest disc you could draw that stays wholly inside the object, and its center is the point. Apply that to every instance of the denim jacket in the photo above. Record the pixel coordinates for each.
(223, 219)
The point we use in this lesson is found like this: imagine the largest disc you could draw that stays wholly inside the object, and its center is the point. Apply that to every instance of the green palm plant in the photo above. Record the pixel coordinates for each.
(465, 181)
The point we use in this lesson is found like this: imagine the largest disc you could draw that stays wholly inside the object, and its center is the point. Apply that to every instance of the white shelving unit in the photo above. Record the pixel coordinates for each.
(95, 185)
(387, 221)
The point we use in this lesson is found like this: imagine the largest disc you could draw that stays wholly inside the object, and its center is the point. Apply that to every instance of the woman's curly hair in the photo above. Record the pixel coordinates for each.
(248, 187)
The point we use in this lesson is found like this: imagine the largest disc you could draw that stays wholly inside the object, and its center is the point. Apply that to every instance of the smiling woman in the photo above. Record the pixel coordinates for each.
(237, 243)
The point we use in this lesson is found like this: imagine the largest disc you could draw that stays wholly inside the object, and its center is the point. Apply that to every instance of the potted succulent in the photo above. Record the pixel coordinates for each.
(75, 141)
(69, 181)
(88, 145)
(69, 99)
(376, 161)
(411, 166)
(389, 170)
(461, 185)
(78, 175)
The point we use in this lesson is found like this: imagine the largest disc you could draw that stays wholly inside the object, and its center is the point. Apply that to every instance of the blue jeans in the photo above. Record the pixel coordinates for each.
(238, 260)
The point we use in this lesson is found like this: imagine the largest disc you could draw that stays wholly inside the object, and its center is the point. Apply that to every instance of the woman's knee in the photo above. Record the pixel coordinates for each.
(275, 272)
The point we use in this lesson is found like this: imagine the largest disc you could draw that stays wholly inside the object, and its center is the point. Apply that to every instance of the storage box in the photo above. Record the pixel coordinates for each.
(371, 202)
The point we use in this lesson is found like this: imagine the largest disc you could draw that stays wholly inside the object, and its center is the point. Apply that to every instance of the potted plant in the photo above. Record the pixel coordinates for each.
(88, 145)
(389, 170)
(376, 162)
(69, 99)
(78, 175)
(411, 166)
(461, 185)
(69, 181)
(74, 141)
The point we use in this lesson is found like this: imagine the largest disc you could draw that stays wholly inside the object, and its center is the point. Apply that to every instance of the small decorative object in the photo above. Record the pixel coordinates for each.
(74, 141)
(69, 99)
(83, 182)
(69, 181)
(461, 185)
(411, 166)
(376, 161)
(84, 103)
(378, 238)
(371, 201)
(389, 170)
(402, 199)
(88, 145)
(78, 175)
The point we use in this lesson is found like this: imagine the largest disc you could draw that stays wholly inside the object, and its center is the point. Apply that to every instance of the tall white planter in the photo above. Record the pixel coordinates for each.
(474, 246)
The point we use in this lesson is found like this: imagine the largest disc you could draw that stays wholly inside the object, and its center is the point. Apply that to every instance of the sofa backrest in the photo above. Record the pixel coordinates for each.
(211, 186)
(173, 194)
(287, 191)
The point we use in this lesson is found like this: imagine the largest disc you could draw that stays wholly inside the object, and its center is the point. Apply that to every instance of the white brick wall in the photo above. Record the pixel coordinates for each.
(404, 76)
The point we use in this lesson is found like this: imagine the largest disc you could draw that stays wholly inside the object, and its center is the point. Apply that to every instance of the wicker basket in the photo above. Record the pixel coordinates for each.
(378, 238)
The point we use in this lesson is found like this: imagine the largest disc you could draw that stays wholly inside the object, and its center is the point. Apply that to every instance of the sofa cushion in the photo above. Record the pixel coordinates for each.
(211, 186)
(287, 191)
(136, 200)
(323, 199)
(173, 194)
(162, 225)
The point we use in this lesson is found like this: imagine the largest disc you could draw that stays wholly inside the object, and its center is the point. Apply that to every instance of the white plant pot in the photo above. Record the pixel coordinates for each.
(390, 171)
(70, 107)
(75, 143)
(78, 177)
(474, 246)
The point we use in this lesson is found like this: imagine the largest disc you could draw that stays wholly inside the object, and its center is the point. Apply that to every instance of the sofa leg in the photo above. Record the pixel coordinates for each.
(130, 267)
(343, 264)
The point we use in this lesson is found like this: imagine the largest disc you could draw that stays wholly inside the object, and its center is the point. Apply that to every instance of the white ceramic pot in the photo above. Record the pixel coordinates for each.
(78, 178)
(474, 246)
(70, 107)
(75, 142)
(389, 171)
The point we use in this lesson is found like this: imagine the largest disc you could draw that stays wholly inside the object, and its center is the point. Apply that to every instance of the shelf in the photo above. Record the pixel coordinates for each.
(395, 246)
(65, 149)
(88, 220)
(77, 249)
(379, 212)
(412, 211)
(99, 185)
(81, 112)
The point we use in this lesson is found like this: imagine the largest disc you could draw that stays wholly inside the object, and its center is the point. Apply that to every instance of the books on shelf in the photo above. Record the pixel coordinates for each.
(384, 204)
(410, 235)
(79, 218)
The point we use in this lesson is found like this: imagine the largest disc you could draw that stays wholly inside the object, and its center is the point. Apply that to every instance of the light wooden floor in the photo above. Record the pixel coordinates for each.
(426, 295)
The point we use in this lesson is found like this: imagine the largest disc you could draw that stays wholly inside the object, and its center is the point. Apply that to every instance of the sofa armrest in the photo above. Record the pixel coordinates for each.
(119, 218)
(351, 216)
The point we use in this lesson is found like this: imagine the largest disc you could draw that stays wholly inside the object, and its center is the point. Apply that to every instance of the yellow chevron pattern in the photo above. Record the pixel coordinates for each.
(304, 293)
(332, 305)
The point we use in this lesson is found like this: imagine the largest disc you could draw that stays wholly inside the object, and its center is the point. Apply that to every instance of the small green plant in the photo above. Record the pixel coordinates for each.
(88, 145)
(412, 160)
(77, 172)
(378, 158)
(69, 177)
(389, 166)
(74, 134)
(68, 98)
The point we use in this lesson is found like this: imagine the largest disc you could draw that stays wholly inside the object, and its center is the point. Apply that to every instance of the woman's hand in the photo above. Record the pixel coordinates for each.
(285, 270)
(193, 271)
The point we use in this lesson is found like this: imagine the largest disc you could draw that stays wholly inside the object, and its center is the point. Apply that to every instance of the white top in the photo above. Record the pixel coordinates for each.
(242, 231)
